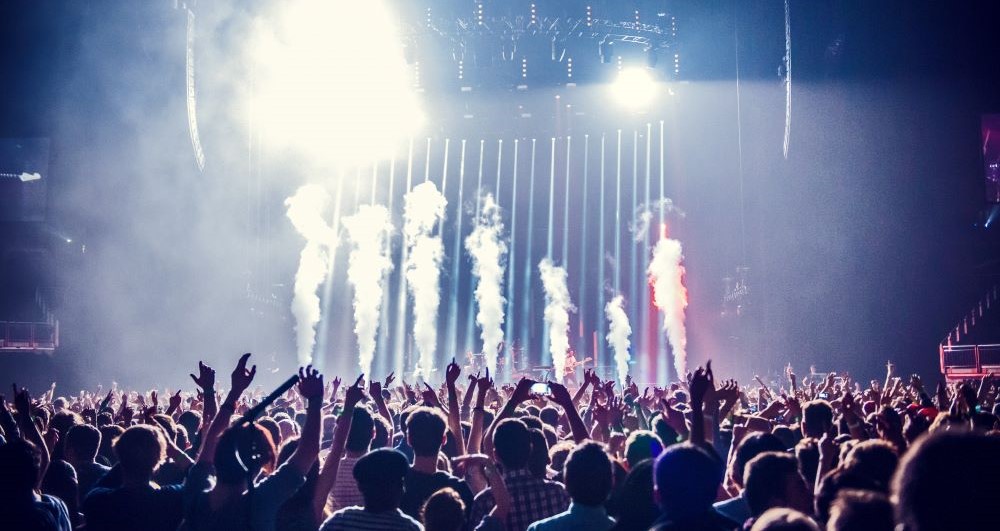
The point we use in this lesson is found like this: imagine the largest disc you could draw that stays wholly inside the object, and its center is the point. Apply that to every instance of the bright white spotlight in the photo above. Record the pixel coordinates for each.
(634, 87)
(333, 83)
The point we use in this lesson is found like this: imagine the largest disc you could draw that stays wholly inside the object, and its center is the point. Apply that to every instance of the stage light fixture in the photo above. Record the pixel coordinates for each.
(634, 87)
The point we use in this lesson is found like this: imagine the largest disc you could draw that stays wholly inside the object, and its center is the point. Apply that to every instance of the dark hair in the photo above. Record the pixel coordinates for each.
(20, 464)
(531, 421)
(443, 511)
(191, 420)
(362, 431)
(752, 445)
(876, 459)
(817, 418)
(765, 479)
(425, 429)
(256, 451)
(967, 465)
(271, 426)
(807, 454)
(84, 440)
(549, 415)
(687, 479)
(379, 475)
(140, 449)
(538, 462)
(833, 483)
(588, 474)
(859, 510)
(512, 444)
(632, 502)
(642, 445)
(382, 429)
(782, 519)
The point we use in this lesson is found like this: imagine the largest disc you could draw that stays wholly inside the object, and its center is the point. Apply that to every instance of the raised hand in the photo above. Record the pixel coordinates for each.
(22, 400)
(430, 397)
(310, 383)
(523, 391)
(452, 373)
(560, 395)
(389, 379)
(485, 382)
(205, 378)
(241, 377)
(153, 398)
(355, 393)
(699, 384)
(175, 400)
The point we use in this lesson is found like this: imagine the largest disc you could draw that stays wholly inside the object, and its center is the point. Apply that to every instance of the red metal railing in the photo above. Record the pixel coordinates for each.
(18, 336)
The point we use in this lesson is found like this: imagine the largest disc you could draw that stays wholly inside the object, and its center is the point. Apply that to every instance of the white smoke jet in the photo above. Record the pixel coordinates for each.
(424, 208)
(488, 252)
(619, 331)
(369, 262)
(643, 216)
(557, 308)
(667, 276)
(305, 211)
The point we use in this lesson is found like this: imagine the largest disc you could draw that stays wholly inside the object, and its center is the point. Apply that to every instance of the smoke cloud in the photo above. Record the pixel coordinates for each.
(305, 211)
(557, 308)
(488, 253)
(643, 216)
(369, 262)
(423, 210)
(619, 331)
(667, 276)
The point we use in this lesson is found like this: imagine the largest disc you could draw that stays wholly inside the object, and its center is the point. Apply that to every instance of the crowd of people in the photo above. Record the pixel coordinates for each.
(826, 452)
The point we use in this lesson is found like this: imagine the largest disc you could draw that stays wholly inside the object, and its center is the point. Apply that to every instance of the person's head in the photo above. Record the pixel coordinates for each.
(538, 462)
(588, 474)
(642, 445)
(752, 445)
(140, 450)
(832, 484)
(379, 475)
(687, 478)
(549, 415)
(382, 430)
(558, 455)
(512, 444)
(948, 480)
(772, 480)
(82, 442)
(817, 418)
(191, 420)
(20, 466)
(443, 511)
(874, 458)
(271, 426)
(359, 438)
(807, 454)
(256, 452)
(859, 510)
(425, 428)
(781, 519)
(109, 434)
(634, 506)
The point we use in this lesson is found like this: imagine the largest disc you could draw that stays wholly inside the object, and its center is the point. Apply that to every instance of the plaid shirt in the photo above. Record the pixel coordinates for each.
(532, 499)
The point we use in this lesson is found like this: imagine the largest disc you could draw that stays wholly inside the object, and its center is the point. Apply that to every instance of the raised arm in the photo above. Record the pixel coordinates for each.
(29, 431)
(328, 474)
(560, 395)
(240, 380)
(311, 388)
(454, 415)
(206, 382)
(478, 413)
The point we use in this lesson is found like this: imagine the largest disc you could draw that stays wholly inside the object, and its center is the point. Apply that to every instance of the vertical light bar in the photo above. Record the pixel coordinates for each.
(618, 216)
(633, 266)
(456, 254)
(401, 338)
(470, 336)
(526, 269)
(546, 355)
(509, 322)
(383, 334)
(662, 363)
(599, 355)
(582, 295)
(644, 349)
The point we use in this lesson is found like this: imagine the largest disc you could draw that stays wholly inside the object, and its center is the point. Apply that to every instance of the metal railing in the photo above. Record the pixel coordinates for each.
(19, 336)
(967, 361)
